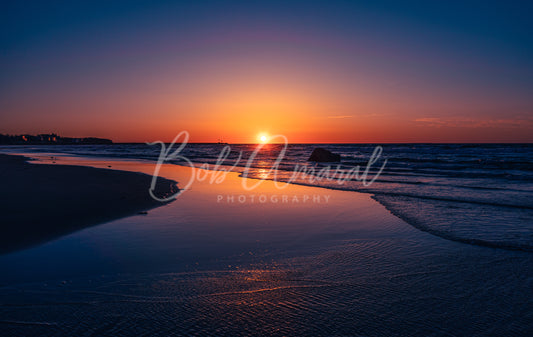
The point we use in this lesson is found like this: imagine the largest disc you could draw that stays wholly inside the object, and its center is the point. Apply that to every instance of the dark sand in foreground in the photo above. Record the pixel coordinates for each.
(41, 202)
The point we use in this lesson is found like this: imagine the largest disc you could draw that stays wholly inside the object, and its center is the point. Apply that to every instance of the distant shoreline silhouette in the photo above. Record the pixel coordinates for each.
(50, 139)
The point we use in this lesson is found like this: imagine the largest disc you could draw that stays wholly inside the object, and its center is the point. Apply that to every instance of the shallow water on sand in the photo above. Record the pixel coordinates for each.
(201, 267)
(359, 287)
(483, 193)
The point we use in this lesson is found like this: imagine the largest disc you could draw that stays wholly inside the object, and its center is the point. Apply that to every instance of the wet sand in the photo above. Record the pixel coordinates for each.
(42, 202)
(206, 265)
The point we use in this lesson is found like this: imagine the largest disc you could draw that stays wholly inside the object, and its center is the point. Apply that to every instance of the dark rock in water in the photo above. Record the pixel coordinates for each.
(322, 155)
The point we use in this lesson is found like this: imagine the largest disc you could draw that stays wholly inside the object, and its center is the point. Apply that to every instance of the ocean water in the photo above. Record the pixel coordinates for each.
(480, 194)
(196, 267)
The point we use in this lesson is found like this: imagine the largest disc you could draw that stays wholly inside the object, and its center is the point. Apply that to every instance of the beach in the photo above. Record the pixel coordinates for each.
(214, 262)
(41, 202)
(266, 168)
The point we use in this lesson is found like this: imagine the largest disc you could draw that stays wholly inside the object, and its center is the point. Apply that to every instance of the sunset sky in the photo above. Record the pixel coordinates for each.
(315, 71)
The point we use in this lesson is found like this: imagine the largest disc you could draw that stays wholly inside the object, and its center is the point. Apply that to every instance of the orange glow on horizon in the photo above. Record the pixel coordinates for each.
(239, 107)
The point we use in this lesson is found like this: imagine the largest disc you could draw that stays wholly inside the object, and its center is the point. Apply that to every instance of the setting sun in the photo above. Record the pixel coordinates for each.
(263, 138)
